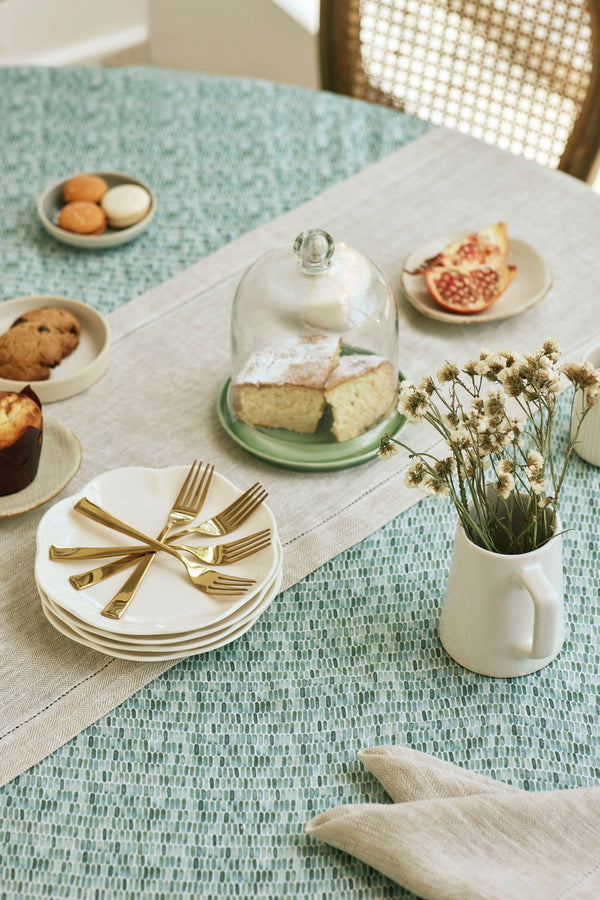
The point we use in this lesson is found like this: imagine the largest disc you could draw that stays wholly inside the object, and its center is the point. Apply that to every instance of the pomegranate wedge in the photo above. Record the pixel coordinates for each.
(465, 290)
(482, 248)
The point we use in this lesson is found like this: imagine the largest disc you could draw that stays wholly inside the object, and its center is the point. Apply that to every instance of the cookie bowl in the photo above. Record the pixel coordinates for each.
(83, 367)
(51, 201)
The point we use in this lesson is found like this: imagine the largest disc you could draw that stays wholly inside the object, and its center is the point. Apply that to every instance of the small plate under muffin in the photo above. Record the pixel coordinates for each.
(51, 201)
(85, 365)
(59, 463)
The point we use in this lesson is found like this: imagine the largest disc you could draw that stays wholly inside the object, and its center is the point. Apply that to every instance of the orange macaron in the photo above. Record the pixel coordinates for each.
(90, 188)
(82, 217)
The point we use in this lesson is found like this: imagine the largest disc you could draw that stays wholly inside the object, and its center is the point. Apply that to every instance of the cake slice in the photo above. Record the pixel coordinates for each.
(360, 391)
(283, 386)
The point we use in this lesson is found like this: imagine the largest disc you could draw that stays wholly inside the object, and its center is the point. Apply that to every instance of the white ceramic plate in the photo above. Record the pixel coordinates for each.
(59, 462)
(166, 601)
(51, 201)
(156, 654)
(167, 641)
(86, 364)
(531, 283)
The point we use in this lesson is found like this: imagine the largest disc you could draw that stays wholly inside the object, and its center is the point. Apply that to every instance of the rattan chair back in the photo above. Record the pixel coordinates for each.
(521, 74)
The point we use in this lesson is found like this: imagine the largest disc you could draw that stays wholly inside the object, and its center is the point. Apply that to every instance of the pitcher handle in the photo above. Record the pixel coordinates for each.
(545, 611)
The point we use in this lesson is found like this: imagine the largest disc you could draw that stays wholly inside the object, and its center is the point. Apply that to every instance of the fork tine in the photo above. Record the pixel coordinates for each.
(191, 474)
(223, 583)
(228, 592)
(245, 510)
(244, 505)
(231, 581)
(264, 535)
(249, 551)
(240, 501)
(231, 588)
(192, 491)
(189, 485)
(241, 543)
(250, 547)
(197, 492)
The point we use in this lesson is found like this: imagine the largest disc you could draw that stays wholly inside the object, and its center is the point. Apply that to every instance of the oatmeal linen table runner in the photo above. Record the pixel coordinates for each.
(453, 835)
(156, 405)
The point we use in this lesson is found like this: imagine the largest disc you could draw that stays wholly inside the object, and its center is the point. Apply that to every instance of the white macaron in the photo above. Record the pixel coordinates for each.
(125, 205)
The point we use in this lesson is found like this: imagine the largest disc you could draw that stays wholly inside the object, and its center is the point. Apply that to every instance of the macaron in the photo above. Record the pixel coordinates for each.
(82, 217)
(90, 188)
(125, 204)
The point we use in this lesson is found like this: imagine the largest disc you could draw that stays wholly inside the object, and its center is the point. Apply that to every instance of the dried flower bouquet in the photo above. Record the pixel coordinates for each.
(496, 416)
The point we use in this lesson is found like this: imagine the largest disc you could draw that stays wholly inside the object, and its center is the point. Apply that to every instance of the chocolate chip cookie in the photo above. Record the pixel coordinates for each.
(36, 342)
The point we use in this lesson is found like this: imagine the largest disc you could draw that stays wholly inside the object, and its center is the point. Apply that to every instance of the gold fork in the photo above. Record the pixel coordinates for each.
(187, 505)
(218, 555)
(223, 523)
(200, 576)
(234, 551)
(229, 519)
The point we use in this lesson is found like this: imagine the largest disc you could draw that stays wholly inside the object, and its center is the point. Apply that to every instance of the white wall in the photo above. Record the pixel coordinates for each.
(60, 32)
(272, 39)
(256, 38)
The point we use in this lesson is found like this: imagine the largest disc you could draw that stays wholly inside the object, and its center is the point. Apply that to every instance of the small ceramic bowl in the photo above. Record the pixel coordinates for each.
(51, 201)
(83, 367)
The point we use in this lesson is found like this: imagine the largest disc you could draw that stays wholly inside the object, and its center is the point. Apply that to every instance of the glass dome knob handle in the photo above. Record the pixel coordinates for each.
(314, 249)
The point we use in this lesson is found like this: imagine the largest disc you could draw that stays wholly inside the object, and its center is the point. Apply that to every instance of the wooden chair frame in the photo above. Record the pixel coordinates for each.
(342, 71)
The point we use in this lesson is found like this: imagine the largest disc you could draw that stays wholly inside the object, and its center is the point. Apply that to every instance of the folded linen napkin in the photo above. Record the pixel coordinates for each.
(453, 835)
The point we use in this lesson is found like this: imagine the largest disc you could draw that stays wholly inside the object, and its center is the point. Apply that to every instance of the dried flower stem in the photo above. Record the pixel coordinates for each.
(500, 465)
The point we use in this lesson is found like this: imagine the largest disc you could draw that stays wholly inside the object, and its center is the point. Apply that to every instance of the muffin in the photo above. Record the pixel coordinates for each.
(21, 430)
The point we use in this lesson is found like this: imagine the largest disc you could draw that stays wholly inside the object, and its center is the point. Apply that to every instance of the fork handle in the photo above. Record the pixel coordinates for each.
(95, 576)
(115, 608)
(132, 550)
(97, 514)
(59, 552)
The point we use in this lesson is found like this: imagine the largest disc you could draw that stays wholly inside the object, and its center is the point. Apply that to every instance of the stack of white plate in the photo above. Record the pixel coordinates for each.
(168, 618)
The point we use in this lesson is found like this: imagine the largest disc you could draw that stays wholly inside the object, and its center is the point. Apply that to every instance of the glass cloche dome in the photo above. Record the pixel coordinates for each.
(314, 356)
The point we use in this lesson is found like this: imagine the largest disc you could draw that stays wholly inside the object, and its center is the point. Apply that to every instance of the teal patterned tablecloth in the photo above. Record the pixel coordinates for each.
(201, 784)
(222, 156)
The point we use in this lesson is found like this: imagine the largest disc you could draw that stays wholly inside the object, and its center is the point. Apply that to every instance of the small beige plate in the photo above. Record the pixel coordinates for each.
(51, 201)
(59, 462)
(86, 364)
(531, 283)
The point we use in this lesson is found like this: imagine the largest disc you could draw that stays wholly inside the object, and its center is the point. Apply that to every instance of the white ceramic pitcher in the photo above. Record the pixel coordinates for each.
(588, 439)
(503, 615)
